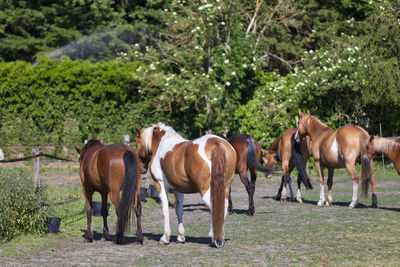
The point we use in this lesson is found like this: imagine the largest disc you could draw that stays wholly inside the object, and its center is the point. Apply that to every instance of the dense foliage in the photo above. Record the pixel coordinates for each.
(19, 204)
(223, 66)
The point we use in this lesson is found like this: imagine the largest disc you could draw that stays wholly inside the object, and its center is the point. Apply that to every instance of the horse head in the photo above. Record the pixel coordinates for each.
(370, 149)
(302, 125)
(270, 160)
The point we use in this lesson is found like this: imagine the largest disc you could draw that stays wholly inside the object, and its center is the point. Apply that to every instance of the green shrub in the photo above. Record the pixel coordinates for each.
(19, 204)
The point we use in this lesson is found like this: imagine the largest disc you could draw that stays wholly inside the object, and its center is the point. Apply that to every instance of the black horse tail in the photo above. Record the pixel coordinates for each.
(298, 162)
(251, 157)
(128, 193)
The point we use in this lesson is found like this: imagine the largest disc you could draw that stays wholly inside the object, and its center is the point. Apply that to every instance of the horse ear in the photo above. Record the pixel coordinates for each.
(77, 149)
(137, 131)
(308, 112)
(300, 113)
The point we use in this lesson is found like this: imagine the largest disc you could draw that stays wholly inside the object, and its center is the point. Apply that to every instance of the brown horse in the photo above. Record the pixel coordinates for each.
(248, 153)
(205, 165)
(338, 149)
(389, 146)
(108, 170)
(285, 150)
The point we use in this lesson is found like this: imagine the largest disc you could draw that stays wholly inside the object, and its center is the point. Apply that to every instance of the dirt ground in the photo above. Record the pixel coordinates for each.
(272, 237)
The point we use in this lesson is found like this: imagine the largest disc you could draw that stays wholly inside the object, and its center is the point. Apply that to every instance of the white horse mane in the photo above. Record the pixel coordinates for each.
(385, 144)
(148, 134)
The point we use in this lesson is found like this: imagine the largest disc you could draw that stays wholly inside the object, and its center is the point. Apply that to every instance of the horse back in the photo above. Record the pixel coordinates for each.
(107, 169)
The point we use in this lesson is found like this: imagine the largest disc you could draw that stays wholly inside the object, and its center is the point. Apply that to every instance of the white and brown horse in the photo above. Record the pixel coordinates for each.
(338, 149)
(291, 155)
(389, 146)
(205, 165)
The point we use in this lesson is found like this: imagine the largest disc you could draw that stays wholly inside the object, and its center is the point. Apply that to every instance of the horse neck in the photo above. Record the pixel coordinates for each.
(315, 127)
(275, 145)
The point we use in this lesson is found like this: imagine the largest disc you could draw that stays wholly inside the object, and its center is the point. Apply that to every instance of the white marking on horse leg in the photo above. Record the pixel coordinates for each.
(179, 213)
(206, 198)
(165, 208)
(283, 195)
(329, 202)
(298, 196)
(354, 200)
(321, 201)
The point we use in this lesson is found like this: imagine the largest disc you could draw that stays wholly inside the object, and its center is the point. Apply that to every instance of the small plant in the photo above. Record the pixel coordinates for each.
(19, 204)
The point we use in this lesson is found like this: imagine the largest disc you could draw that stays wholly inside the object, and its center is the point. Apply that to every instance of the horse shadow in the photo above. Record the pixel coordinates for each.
(200, 206)
(389, 208)
(188, 239)
(97, 236)
(334, 203)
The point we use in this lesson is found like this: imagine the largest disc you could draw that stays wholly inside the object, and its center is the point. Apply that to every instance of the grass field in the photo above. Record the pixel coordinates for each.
(279, 233)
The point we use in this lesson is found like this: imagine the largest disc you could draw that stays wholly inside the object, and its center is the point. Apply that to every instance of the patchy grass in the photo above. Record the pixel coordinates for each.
(279, 233)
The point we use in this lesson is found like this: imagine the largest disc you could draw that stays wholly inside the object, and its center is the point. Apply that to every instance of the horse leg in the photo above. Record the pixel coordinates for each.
(230, 208)
(179, 213)
(298, 195)
(291, 189)
(350, 166)
(207, 199)
(114, 197)
(253, 173)
(138, 213)
(330, 183)
(320, 171)
(374, 203)
(245, 181)
(88, 195)
(104, 214)
(279, 194)
(162, 192)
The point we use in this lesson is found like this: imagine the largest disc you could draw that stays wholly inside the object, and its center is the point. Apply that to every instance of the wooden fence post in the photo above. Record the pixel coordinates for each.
(36, 171)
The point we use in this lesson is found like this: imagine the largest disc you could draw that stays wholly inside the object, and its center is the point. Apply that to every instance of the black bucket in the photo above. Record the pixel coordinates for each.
(143, 193)
(53, 224)
(96, 206)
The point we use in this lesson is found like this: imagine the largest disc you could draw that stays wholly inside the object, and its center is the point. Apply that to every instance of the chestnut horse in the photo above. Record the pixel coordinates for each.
(291, 155)
(248, 153)
(205, 165)
(109, 170)
(389, 146)
(338, 149)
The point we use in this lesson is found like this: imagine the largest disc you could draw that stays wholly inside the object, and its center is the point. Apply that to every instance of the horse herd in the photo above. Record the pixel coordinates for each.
(207, 165)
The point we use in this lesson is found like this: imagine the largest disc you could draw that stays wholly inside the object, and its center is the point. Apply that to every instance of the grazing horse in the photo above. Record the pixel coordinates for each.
(109, 170)
(248, 153)
(287, 151)
(389, 146)
(338, 149)
(205, 165)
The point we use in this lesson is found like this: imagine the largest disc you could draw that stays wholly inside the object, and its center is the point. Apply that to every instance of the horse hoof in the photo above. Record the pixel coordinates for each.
(164, 241)
(139, 240)
(87, 240)
(283, 200)
(328, 204)
(218, 243)
(320, 203)
(277, 197)
(250, 213)
(374, 205)
(106, 237)
(299, 201)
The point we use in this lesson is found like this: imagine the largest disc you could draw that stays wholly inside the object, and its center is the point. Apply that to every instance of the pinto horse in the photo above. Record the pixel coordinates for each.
(291, 155)
(205, 165)
(109, 170)
(248, 153)
(338, 149)
(389, 146)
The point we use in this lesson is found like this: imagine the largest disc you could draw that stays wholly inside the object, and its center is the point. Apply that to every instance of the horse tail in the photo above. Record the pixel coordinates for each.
(366, 168)
(251, 157)
(128, 193)
(218, 174)
(298, 162)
